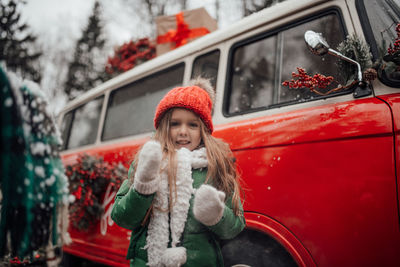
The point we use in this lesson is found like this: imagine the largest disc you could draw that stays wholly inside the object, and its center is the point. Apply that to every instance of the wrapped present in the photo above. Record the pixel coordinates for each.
(177, 30)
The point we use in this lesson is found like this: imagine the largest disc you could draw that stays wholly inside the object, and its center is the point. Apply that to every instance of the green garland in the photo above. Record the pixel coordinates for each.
(355, 48)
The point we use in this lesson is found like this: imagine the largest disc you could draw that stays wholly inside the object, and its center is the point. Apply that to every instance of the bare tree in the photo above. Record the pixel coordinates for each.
(217, 9)
(183, 4)
(55, 67)
(252, 6)
(148, 10)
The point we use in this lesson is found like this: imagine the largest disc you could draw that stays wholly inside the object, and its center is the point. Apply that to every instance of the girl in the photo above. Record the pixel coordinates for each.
(184, 196)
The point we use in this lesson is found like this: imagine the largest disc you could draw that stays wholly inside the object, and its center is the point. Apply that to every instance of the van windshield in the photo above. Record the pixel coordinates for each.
(383, 17)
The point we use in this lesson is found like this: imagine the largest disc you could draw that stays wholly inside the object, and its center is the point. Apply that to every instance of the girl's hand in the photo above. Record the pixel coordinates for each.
(209, 205)
(147, 174)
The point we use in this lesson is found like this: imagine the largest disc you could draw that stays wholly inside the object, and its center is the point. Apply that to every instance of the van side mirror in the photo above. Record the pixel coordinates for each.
(318, 46)
(316, 43)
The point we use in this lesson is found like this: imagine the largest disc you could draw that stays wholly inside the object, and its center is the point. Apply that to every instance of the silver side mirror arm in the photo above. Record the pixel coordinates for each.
(318, 46)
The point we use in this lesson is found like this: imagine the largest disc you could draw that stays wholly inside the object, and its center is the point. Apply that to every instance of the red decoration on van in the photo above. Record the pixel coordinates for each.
(130, 55)
(182, 33)
(305, 80)
(177, 30)
(396, 45)
(89, 178)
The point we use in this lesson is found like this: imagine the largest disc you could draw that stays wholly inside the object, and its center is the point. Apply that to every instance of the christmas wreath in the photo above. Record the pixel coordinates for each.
(130, 55)
(89, 178)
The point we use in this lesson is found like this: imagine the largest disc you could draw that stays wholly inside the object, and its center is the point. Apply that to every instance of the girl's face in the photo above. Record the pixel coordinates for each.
(184, 129)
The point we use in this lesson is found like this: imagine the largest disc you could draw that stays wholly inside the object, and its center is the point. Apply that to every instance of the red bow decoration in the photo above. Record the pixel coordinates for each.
(182, 33)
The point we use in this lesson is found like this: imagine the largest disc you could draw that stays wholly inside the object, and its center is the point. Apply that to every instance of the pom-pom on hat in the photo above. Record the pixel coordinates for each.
(198, 97)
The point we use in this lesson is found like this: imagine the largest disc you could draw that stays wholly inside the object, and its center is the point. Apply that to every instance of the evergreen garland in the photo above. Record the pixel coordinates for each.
(355, 48)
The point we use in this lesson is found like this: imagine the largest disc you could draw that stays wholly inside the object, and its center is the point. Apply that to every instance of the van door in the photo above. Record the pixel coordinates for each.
(393, 100)
(321, 167)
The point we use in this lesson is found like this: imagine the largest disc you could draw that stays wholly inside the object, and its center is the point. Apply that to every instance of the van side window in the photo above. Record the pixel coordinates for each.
(253, 75)
(80, 125)
(259, 65)
(131, 108)
(207, 66)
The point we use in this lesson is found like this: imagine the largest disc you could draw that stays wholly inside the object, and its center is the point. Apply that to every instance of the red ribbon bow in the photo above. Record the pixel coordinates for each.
(182, 33)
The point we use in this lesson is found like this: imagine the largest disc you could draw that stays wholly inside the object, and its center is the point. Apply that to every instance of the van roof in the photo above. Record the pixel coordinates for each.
(246, 24)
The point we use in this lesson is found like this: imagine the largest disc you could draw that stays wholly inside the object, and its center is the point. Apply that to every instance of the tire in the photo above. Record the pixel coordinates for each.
(69, 260)
(255, 249)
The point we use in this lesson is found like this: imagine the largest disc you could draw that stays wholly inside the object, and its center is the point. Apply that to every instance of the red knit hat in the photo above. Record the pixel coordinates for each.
(194, 98)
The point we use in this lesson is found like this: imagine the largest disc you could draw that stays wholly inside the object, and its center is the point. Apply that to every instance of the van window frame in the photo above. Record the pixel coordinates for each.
(228, 78)
(68, 128)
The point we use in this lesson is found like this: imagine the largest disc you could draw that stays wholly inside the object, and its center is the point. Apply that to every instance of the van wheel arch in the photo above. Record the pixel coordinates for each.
(267, 236)
(254, 248)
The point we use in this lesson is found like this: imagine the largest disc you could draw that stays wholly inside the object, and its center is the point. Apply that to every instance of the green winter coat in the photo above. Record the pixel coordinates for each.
(201, 242)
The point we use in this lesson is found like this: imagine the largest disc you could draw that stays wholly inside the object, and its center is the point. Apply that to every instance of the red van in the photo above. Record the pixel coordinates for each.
(320, 168)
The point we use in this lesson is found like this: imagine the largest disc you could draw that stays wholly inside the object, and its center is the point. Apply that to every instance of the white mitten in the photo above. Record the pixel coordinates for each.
(147, 174)
(174, 257)
(209, 205)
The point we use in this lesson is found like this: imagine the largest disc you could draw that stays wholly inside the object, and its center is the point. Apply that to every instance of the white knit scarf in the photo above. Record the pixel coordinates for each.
(159, 228)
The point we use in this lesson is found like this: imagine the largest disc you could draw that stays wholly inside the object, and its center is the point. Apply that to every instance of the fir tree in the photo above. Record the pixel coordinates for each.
(17, 45)
(84, 71)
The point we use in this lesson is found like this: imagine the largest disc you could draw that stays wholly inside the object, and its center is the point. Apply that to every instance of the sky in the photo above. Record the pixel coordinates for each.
(47, 16)
(40, 12)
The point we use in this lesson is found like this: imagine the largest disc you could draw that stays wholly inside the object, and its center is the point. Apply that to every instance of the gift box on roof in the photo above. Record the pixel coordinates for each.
(177, 30)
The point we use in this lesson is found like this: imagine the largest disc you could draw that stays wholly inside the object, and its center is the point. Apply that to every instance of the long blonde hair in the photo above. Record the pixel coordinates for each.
(221, 170)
